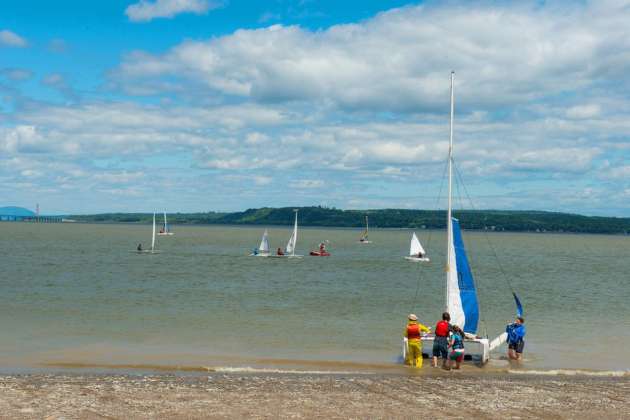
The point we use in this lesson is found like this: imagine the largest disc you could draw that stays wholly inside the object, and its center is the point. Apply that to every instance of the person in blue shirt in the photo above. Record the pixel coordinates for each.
(456, 344)
(516, 342)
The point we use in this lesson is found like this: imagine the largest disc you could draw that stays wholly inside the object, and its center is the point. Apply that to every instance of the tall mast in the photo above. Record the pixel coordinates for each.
(449, 225)
(294, 233)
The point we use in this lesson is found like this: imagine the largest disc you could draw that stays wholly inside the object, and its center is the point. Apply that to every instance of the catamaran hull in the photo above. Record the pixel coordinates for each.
(416, 259)
(477, 350)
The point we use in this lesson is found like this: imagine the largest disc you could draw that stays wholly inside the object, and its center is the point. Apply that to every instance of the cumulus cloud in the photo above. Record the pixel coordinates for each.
(11, 39)
(146, 10)
(398, 60)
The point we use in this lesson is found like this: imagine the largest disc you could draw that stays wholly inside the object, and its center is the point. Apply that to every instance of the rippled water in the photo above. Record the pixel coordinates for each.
(77, 293)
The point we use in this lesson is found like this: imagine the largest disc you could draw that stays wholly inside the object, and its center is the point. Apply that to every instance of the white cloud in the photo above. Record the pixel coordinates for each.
(11, 39)
(400, 59)
(16, 74)
(146, 10)
(584, 111)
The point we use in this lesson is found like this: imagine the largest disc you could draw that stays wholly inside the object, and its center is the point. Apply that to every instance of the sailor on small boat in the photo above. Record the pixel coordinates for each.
(139, 248)
(414, 345)
(280, 251)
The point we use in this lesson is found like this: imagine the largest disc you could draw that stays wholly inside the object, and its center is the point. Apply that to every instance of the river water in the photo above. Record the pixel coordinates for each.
(78, 295)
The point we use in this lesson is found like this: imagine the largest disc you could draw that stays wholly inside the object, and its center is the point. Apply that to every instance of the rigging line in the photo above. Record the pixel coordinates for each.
(494, 252)
(430, 236)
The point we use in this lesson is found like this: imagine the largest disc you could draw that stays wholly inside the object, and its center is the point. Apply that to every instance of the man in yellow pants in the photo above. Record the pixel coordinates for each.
(414, 345)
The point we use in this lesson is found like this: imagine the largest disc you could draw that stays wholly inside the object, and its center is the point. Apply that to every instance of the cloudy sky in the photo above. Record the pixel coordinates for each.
(196, 105)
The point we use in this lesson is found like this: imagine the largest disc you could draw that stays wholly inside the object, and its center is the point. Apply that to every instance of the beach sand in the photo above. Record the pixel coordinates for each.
(239, 395)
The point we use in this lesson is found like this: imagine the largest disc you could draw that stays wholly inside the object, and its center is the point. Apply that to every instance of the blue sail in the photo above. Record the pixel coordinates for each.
(519, 306)
(466, 283)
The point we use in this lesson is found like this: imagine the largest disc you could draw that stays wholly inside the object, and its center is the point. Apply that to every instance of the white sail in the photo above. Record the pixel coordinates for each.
(264, 243)
(165, 224)
(153, 237)
(416, 247)
(290, 249)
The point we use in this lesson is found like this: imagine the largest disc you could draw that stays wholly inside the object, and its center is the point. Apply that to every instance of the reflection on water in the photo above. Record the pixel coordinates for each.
(78, 293)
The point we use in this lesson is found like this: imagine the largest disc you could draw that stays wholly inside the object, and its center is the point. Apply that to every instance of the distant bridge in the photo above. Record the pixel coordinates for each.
(32, 219)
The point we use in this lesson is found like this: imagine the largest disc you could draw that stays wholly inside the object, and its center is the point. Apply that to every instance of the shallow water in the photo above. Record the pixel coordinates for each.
(78, 294)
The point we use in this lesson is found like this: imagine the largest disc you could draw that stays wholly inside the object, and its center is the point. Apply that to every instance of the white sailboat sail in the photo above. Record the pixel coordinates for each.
(364, 237)
(290, 249)
(263, 248)
(165, 224)
(415, 249)
(153, 237)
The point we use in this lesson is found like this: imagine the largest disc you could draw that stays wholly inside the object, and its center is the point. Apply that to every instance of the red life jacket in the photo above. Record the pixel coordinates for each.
(413, 332)
(441, 329)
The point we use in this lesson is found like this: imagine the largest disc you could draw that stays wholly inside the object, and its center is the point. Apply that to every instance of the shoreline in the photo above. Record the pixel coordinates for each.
(269, 395)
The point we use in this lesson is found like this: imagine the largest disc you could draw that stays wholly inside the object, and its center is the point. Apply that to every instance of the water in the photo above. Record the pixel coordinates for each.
(77, 294)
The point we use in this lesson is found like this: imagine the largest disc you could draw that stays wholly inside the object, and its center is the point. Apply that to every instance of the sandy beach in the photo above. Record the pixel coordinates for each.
(219, 395)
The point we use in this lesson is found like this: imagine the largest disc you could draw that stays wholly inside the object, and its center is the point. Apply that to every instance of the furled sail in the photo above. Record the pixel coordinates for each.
(153, 237)
(462, 296)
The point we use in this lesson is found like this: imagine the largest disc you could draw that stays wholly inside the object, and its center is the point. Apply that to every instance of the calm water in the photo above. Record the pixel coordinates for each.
(73, 293)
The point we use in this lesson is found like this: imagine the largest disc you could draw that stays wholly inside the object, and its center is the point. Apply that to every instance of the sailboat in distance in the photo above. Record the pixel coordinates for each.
(364, 237)
(165, 230)
(416, 252)
(153, 249)
(289, 251)
(263, 248)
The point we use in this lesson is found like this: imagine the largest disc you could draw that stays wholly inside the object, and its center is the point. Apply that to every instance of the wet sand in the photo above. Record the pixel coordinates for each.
(219, 395)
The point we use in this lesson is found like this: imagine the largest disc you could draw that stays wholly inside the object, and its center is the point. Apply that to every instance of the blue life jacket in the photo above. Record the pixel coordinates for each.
(516, 332)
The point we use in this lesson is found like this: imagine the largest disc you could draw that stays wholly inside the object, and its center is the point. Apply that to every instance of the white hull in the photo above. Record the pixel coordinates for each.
(416, 259)
(477, 349)
(260, 255)
(365, 242)
(286, 256)
(165, 234)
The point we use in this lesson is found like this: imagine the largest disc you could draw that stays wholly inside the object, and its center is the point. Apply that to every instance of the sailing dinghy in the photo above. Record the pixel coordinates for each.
(364, 237)
(416, 251)
(263, 248)
(289, 251)
(165, 231)
(152, 250)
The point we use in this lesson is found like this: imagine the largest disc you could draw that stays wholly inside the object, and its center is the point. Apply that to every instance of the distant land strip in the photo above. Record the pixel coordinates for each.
(495, 220)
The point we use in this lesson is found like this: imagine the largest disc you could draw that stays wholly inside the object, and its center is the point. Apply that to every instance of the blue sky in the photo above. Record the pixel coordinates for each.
(196, 105)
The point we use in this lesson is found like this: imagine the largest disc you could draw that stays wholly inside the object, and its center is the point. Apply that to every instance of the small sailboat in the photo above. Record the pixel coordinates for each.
(165, 231)
(153, 249)
(263, 248)
(289, 251)
(416, 251)
(364, 237)
(321, 252)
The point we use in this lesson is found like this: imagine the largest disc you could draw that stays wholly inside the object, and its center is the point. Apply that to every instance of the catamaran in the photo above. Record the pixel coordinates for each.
(289, 251)
(165, 231)
(263, 248)
(461, 295)
(364, 237)
(416, 251)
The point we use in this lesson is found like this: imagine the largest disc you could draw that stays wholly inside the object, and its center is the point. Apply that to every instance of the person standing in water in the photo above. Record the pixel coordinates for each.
(440, 344)
(414, 345)
(516, 343)
(456, 343)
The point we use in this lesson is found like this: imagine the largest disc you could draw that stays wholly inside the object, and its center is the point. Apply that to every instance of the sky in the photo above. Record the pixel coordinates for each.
(224, 105)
